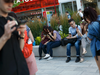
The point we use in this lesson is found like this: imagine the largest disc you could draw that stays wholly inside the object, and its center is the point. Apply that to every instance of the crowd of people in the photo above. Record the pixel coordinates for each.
(16, 56)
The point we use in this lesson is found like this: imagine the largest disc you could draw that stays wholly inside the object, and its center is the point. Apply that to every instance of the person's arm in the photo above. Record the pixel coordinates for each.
(43, 37)
(31, 36)
(7, 33)
(21, 29)
(53, 37)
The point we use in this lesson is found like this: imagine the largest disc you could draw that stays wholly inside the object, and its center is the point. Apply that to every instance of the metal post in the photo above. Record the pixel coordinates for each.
(54, 6)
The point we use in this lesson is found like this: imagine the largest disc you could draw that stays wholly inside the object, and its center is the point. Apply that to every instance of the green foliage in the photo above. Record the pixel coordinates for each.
(36, 27)
(98, 11)
(76, 18)
(54, 23)
(64, 23)
(16, 4)
(38, 40)
(70, 11)
(63, 35)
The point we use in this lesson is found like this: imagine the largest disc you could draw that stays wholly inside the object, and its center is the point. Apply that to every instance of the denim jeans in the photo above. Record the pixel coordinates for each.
(77, 46)
(42, 47)
(51, 45)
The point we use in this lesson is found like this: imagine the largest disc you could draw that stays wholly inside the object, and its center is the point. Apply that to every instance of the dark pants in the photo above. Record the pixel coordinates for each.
(51, 45)
(42, 47)
(77, 46)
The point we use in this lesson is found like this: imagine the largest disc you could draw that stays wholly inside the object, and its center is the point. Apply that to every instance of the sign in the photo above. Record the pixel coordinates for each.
(48, 14)
(34, 4)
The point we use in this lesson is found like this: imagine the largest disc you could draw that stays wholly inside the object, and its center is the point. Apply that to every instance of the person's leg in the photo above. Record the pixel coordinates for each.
(44, 49)
(40, 51)
(98, 63)
(48, 50)
(53, 45)
(84, 44)
(68, 52)
(77, 45)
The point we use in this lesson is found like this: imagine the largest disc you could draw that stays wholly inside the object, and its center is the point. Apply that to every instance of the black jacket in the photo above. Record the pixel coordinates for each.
(12, 61)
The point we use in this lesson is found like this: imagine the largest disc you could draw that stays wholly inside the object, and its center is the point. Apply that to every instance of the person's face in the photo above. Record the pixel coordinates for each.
(72, 24)
(81, 26)
(6, 6)
(87, 20)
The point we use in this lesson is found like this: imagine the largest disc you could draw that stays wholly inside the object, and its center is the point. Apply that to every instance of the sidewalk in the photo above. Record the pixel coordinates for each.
(57, 66)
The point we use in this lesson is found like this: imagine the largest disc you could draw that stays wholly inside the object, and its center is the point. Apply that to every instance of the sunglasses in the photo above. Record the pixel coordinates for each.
(9, 1)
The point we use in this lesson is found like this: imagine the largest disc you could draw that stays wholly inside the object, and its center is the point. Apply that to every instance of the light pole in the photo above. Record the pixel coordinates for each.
(54, 6)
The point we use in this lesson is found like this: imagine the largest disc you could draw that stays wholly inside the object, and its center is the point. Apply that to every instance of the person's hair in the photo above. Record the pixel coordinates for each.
(90, 13)
(79, 9)
(50, 29)
(67, 12)
(84, 23)
(45, 27)
(13, 15)
(71, 20)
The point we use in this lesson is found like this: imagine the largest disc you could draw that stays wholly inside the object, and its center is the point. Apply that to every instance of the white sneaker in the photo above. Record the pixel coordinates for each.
(46, 56)
(50, 58)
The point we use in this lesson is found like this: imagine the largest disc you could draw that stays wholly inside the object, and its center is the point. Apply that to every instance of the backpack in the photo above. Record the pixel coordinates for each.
(65, 41)
(27, 50)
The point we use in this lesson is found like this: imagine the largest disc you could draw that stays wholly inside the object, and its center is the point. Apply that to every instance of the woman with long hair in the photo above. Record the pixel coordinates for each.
(44, 41)
(90, 15)
(84, 41)
(55, 38)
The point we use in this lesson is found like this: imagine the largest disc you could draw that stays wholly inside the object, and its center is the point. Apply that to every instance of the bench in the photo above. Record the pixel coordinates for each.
(61, 51)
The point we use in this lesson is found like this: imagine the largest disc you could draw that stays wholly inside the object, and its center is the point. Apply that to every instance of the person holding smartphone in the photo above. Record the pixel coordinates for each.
(12, 61)
(44, 41)
(84, 41)
(73, 34)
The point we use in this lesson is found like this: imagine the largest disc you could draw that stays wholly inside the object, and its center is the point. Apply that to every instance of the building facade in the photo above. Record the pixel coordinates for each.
(35, 7)
(77, 4)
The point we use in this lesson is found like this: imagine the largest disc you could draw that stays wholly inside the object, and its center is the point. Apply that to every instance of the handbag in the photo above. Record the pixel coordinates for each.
(65, 41)
(27, 50)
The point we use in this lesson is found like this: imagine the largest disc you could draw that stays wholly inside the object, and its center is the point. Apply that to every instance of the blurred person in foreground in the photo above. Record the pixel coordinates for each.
(12, 61)
(90, 15)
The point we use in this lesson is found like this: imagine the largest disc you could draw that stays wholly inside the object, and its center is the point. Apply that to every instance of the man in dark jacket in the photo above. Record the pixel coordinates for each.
(12, 61)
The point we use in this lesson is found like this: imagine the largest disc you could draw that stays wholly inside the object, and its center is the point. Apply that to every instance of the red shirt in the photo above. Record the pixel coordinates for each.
(45, 40)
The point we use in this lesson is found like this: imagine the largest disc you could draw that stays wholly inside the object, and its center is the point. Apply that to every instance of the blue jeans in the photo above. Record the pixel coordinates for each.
(42, 47)
(77, 46)
(51, 45)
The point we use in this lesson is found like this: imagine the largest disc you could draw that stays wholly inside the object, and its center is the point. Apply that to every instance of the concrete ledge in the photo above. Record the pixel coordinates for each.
(61, 51)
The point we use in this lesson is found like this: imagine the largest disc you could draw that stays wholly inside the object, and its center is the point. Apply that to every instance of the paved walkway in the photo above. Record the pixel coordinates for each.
(57, 66)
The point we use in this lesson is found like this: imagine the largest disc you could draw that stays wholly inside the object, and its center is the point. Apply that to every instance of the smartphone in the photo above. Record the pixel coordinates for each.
(21, 22)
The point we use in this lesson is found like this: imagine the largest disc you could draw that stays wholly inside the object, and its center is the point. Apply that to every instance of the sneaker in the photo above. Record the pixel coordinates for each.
(77, 59)
(68, 59)
(50, 58)
(46, 56)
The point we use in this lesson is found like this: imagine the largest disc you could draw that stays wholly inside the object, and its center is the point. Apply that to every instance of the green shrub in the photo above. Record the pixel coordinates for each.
(36, 27)
(64, 23)
(76, 18)
(63, 35)
(38, 40)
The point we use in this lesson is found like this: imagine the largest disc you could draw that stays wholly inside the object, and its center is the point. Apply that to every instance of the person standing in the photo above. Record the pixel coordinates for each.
(31, 62)
(90, 15)
(12, 61)
(80, 14)
(68, 15)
